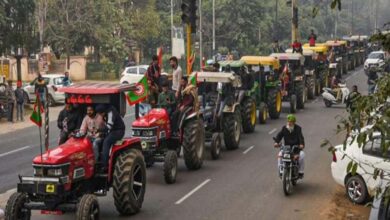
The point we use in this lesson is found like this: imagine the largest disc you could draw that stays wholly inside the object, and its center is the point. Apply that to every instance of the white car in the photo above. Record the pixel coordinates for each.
(362, 185)
(53, 82)
(376, 59)
(133, 74)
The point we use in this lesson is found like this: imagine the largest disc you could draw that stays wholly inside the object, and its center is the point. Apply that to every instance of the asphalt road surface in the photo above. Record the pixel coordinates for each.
(242, 184)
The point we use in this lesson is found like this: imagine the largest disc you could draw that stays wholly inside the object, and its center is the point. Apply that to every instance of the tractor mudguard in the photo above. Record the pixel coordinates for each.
(128, 143)
(230, 109)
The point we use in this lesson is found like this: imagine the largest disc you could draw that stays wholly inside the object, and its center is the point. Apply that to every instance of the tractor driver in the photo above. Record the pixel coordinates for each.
(115, 130)
(166, 99)
(188, 100)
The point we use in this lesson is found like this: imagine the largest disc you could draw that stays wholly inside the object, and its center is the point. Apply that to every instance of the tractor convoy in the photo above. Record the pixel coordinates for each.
(230, 100)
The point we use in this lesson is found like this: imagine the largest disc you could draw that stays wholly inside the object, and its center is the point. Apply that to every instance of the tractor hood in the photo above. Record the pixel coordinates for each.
(73, 149)
(156, 117)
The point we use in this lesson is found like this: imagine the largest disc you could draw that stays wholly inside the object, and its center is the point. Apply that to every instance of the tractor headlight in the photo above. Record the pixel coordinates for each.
(144, 145)
(148, 133)
(38, 171)
(54, 172)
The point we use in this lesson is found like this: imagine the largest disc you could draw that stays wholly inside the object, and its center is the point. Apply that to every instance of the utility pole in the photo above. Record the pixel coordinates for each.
(213, 27)
(352, 31)
(335, 25)
(172, 28)
(276, 20)
(294, 23)
(376, 16)
(200, 35)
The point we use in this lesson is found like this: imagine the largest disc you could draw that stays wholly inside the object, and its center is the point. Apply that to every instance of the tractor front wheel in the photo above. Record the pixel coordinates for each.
(15, 207)
(248, 115)
(129, 182)
(274, 103)
(193, 144)
(87, 208)
(232, 130)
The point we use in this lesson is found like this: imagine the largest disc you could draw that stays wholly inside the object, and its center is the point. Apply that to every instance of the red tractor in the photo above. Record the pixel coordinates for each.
(66, 179)
(160, 145)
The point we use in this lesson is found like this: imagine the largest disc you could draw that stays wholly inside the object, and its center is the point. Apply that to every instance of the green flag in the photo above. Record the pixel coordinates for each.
(140, 94)
(194, 79)
(36, 117)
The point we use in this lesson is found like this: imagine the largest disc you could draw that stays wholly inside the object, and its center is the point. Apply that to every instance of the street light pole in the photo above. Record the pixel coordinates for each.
(19, 56)
(213, 27)
(172, 33)
(200, 35)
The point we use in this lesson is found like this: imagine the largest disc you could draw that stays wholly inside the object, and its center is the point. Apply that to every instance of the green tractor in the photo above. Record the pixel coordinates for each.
(268, 92)
(321, 66)
(339, 48)
(294, 88)
(360, 48)
(246, 94)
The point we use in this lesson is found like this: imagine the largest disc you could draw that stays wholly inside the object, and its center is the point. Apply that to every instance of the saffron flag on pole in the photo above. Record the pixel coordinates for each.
(140, 94)
(36, 116)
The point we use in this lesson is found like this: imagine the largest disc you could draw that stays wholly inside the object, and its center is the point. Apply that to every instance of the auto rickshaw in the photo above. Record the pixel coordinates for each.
(339, 47)
(293, 79)
(267, 76)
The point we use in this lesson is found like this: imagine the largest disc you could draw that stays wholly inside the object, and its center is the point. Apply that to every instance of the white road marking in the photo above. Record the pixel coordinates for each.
(14, 151)
(192, 192)
(272, 131)
(247, 150)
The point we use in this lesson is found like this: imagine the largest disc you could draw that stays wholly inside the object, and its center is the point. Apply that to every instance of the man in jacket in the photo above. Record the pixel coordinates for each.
(19, 95)
(68, 121)
(292, 135)
(11, 101)
(115, 128)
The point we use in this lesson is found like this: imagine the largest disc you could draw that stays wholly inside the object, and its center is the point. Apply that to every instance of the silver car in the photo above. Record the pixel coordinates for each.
(53, 82)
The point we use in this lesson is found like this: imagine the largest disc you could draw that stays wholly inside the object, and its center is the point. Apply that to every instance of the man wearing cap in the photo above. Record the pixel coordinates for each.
(115, 130)
(292, 135)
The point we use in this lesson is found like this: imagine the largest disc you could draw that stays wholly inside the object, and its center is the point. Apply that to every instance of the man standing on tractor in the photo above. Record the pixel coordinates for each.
(115, 131)
(312, 38)
(153, 73)
(68, 121)
(297, 47)
(166, 99)
(91, 125)
(188, 99)
(176, 75)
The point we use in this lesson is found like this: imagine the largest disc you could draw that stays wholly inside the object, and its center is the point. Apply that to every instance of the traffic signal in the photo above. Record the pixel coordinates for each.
(189, 8)
(295, 16)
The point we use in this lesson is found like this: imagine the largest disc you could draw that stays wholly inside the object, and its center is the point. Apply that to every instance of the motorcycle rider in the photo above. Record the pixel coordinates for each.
(68, 121)
(292, 135)
(336, 88)
(115, 128)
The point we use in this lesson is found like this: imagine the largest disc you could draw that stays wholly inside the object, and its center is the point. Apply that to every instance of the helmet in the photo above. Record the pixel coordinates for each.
(291, 118)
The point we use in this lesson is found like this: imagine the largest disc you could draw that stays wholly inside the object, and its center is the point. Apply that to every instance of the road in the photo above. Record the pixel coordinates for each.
(242, 184)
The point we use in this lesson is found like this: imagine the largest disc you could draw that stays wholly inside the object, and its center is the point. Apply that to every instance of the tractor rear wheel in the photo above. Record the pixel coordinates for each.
(87, 208)
(170, 167)
(274, 103)
(232, 130)
(15, 207)
(301, 95)
(193, 144)
(129, 182)
(248, 115)
(311, 87)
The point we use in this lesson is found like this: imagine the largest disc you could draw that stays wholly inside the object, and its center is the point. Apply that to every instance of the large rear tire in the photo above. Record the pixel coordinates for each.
(15, 207)
(193, 144)
(248, 115)
(274, 103)
(129, 182)
(88, 208)
(301, 96)
(170, 167)
(311, 87)
(232, 130)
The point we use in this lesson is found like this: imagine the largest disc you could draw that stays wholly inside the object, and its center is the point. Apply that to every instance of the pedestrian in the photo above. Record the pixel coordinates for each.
(130, 61)
(176, 75)
(312, 39)
(41, 89)
(66, 80)
(154, 72)
(10, 101)
(19, 95)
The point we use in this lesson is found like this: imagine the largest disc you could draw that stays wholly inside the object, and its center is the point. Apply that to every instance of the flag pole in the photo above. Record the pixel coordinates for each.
(40, 143)
(46, 120)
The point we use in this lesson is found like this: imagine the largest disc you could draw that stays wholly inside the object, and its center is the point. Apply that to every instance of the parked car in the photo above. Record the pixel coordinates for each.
(53, 82)
(361, 186)
(375, 59)
(133, 74)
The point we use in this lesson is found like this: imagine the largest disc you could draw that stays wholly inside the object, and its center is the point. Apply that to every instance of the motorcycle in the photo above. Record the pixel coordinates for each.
(289, 167)
(330, 97)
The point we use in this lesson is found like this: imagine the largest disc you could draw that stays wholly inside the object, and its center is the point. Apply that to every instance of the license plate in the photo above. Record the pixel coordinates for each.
(50, 188)
(55, 212)
(299, 78)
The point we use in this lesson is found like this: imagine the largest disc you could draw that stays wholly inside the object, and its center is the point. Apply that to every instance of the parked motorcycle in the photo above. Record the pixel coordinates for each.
(289, 167)
(330, 97)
